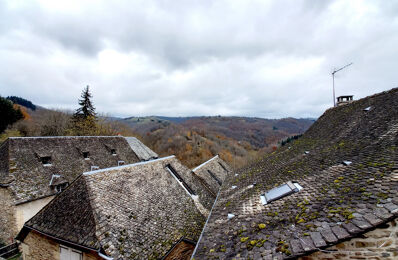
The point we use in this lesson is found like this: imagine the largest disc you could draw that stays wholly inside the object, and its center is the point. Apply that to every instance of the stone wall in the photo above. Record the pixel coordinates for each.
(3, 159)
(381, 243)
(7, 217)
(39, 247)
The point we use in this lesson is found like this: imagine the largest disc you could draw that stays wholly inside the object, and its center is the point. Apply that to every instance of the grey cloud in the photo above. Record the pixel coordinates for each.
(255, 58)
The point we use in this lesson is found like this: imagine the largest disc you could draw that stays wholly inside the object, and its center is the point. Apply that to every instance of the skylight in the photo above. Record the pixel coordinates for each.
(174, 173)
(222, 166)
(214, 177)
(280, 192)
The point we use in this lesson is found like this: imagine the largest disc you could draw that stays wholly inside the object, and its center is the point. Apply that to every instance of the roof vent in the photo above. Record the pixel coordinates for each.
(280, 192)
(120, 163)
(347, 163)
(367, 109)
(94, 168)
(306, 152)
(233, 187)
(230, 215)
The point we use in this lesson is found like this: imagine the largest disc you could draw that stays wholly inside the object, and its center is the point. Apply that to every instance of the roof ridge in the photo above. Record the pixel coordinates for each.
(127, 166)
(63, 136)
(91, 198)
(206, 162)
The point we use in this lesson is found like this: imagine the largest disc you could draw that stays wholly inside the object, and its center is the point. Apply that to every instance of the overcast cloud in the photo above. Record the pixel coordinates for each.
(177, 58)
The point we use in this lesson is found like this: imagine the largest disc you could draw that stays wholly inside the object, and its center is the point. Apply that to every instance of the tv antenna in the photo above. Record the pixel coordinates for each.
(334, 72)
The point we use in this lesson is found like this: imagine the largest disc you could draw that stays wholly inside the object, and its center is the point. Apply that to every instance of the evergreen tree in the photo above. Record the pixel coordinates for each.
(86, 108)
(8, 115)
(84, 119)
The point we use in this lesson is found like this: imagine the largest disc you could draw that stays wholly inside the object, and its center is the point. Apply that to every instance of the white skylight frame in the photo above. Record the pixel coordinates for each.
(279, 192)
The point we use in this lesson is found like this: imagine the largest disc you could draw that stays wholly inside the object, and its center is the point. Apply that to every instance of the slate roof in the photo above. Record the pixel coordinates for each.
(28, 178)
(213, 172)
(136, 211)
(141, 150)
(338, 200)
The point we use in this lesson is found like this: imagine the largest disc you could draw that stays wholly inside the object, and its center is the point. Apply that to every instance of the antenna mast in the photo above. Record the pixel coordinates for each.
(334, 72)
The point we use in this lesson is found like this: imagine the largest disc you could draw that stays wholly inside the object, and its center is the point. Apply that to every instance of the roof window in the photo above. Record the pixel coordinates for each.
(46, 160)
(214, 177)
(280, 192)
(174, 173)
(86, 155)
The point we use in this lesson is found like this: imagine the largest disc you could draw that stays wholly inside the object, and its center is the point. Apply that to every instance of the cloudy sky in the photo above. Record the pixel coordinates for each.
(267, 59)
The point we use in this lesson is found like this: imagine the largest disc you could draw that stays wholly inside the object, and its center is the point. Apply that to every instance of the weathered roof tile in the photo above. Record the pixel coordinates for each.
(334, 196)
(317, 239)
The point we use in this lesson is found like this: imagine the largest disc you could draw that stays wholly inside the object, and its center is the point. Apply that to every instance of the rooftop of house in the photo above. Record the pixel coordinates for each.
(339, 180)
(213, 172)
(142, 151)
(28, 164)
(132, 211)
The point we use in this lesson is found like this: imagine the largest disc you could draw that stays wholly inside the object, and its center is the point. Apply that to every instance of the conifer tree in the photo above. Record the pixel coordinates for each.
(84, 119)
(86, 108)
(8, 114)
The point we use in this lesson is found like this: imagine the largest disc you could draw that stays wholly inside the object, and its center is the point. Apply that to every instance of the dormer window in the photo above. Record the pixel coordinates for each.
(86, 155)
(113, 152)
(94, 168)
(58, 183)
(280, 192)
(46, 160)
(60, 187)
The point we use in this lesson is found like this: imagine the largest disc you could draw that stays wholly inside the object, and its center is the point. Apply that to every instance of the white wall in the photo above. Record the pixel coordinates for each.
(27, 210)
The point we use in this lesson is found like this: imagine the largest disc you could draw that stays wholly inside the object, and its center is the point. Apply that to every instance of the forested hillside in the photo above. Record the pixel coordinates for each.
(195, 139)
(192, 139)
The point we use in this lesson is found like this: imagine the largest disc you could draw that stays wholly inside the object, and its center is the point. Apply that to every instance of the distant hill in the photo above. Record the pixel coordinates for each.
(23, 102)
